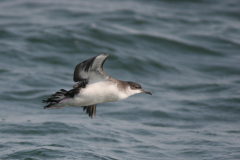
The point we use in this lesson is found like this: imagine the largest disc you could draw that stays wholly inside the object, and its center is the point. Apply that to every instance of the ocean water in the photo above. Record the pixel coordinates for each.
(187, 53)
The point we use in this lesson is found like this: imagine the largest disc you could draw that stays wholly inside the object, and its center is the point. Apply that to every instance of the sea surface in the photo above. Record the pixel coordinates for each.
(186, 52)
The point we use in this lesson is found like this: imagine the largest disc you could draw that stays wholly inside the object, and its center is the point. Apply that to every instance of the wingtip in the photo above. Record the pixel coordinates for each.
(104, 54)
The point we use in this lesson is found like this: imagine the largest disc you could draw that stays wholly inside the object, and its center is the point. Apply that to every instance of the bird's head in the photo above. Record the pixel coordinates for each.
(136, 88)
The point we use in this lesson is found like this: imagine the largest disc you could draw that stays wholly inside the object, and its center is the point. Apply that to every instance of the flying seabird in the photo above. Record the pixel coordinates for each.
(94, 86)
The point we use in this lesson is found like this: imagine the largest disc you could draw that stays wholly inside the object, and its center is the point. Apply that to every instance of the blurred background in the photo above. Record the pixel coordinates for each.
(185, 52)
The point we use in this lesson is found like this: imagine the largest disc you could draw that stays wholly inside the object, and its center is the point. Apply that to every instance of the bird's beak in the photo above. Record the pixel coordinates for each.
(146, 92)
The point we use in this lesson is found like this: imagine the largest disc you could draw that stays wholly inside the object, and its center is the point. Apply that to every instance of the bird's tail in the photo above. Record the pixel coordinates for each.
(53, 101)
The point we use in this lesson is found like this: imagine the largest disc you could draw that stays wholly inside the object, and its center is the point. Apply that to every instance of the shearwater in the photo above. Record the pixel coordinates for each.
(94, 86)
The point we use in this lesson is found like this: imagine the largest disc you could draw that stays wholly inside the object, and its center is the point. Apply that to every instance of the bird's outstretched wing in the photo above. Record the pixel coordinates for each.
(91, 70)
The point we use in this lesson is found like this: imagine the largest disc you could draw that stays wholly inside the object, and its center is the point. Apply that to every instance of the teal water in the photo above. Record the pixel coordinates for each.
(185, 52)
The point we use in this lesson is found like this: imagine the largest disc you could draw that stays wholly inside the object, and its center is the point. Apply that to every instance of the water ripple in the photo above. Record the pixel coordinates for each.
(186, 53)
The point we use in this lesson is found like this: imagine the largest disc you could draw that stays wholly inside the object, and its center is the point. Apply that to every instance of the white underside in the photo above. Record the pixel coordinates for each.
(96, 93)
